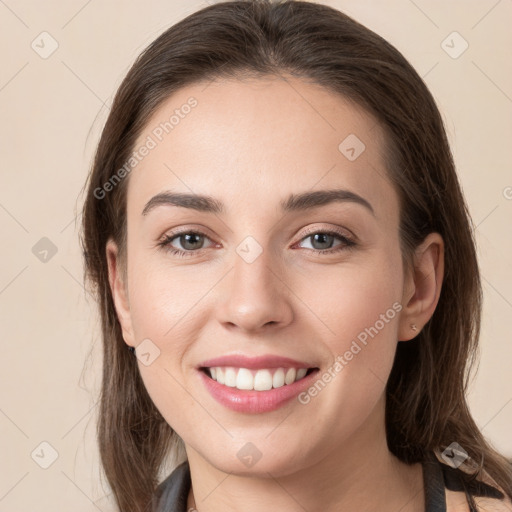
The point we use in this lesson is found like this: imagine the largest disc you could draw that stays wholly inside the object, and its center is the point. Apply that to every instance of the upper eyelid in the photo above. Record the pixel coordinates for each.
(337, 231)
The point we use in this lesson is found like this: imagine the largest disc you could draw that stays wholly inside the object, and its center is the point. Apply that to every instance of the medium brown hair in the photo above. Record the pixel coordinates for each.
(426, 408)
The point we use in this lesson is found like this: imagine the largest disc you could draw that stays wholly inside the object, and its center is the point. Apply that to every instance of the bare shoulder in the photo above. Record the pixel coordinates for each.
(456, 501)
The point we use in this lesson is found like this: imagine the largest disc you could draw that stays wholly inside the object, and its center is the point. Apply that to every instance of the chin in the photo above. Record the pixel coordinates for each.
(258, 459)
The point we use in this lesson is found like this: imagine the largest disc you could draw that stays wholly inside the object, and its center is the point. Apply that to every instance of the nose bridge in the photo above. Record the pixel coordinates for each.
(254, 266)
(256, 294)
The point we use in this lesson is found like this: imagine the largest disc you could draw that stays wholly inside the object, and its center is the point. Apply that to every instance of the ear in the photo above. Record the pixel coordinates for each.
(422, 287)
(119, 291)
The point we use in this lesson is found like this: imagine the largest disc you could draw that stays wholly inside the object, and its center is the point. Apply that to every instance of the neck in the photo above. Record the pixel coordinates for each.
(360, 473)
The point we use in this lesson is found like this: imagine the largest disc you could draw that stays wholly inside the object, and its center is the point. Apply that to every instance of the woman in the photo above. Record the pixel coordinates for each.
(276, 231)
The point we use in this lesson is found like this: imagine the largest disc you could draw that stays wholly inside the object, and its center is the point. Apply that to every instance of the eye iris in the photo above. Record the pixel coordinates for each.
(187, 237)
(323, 237)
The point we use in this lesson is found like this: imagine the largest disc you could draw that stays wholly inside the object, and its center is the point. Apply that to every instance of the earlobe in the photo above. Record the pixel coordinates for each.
(422, 287)
(119, 292)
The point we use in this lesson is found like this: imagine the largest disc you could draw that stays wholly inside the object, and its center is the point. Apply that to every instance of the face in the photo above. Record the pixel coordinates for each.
(266, 273)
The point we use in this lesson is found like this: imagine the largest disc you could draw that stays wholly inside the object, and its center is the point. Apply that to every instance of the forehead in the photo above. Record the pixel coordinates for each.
(255, 141)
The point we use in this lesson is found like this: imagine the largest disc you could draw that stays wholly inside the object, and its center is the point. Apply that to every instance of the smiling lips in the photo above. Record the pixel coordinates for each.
(255, 384)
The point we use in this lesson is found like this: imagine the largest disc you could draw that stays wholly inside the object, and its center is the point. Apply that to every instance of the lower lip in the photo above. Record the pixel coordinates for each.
(256, 401)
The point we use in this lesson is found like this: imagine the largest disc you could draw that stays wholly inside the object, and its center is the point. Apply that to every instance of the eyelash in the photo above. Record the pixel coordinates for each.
(166, 241)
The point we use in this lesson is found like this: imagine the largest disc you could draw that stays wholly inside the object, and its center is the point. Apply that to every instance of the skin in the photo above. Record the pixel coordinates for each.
(250, 143)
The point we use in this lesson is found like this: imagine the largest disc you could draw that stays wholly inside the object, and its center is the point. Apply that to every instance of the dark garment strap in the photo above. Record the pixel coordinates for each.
(433, 483)
(172, 494)
(437, 476)
(457, 480)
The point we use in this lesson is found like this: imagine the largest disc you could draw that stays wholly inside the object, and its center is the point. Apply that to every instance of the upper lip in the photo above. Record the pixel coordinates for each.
(265, 361)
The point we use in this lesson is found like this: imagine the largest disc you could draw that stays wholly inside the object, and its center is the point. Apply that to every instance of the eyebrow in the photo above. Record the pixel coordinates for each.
(295, 202)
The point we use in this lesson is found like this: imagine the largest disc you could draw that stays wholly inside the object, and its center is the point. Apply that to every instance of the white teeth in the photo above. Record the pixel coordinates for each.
(301, 373)
(244, 379)
(290, 375)
(258, 380)
(278, 378)
(230, 377)
(262, 380)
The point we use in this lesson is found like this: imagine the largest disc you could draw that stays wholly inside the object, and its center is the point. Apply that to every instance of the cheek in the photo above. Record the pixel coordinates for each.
(357, 298)
(165, 315)
(360, 310)
(164, 301)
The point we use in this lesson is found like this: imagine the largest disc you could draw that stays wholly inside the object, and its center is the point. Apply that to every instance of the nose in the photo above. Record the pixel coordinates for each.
(255, 295)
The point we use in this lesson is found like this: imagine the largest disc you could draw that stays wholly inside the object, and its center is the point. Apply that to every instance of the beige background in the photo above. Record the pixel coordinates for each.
(52, 112)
